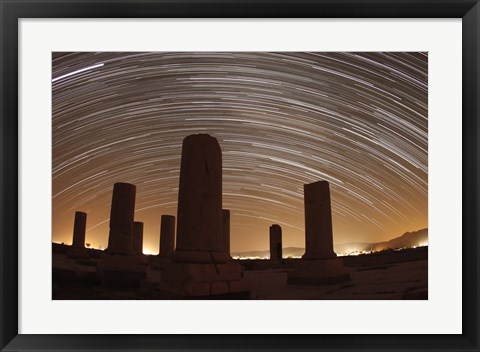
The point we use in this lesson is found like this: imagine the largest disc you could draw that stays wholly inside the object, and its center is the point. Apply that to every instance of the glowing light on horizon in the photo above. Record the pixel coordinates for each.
(250, 258)
(149, 251)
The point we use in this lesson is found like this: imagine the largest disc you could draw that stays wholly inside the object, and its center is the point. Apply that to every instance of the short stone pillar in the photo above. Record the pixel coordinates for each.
(137, 238)
(167, 243)
(319, 264)
(275, 242)
(121, 219)
(119, 268)
(226, 230)
(167, 236)
(78, 250)
(200, 266)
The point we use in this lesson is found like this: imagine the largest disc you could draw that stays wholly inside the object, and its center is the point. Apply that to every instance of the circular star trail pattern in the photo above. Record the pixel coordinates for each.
(357, 120)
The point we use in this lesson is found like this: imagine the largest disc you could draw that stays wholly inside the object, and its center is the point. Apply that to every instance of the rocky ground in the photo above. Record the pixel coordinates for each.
(389, 275)
(406, 280)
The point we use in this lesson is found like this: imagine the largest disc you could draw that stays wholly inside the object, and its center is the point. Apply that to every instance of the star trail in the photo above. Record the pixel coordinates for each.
(283, 119)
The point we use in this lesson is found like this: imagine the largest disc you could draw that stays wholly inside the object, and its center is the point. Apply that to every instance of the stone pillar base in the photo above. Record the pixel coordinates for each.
(159, 263)
(204, 281)
(202, 257)
(144, 260)
(318, 272)
(121, 272)
(75, 252)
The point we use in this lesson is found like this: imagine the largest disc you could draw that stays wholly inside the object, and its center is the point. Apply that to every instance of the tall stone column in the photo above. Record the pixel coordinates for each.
(167, 235)
(319, 265)
(78, 250)
(121, 219)
(226, 230)
(318, 221)
(138, 238)
(275, 242)
(200, 266)
(79, 227)
(119, 268)
(199, 227)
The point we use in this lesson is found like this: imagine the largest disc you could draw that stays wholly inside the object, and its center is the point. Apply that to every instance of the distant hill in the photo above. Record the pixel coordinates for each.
(407, 240)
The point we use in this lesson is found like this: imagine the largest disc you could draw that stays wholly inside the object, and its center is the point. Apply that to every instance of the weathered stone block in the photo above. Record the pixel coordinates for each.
(196, 289)
(230, 271)
(199, 257)
(159, 263)
(239, 286)
(179, 290)
(75, 252)
(219, 288)
(120, 272)
(319, 272)
(185, 272)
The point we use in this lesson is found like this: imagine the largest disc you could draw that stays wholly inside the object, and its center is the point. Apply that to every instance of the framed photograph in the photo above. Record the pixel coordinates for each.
(239, 175)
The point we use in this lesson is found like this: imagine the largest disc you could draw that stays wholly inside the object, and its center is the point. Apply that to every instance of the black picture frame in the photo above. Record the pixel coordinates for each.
(11, 11)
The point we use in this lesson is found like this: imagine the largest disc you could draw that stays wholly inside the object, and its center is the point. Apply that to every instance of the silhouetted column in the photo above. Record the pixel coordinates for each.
(79, 227)
(318, 221)
(138, 237)
(167, 235)
(226, 230)
(275, 242)
(200, 197)
(200, 267)
(121, 219)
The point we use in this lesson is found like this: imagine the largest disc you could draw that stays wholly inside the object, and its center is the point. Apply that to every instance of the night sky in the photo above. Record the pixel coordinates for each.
(357, 120)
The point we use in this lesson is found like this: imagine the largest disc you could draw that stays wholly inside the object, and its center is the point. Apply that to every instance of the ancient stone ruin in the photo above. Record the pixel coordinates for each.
(137, 238)
(275, 242)
(226, 231)
(118, 267)
(318, 221)
(167, 243)
(167, 236)
(319, 264)
(121, 219)
(78, 250)
(200, 267)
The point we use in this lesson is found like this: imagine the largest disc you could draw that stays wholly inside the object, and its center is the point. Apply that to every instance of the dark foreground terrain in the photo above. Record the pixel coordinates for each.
(386, 275)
